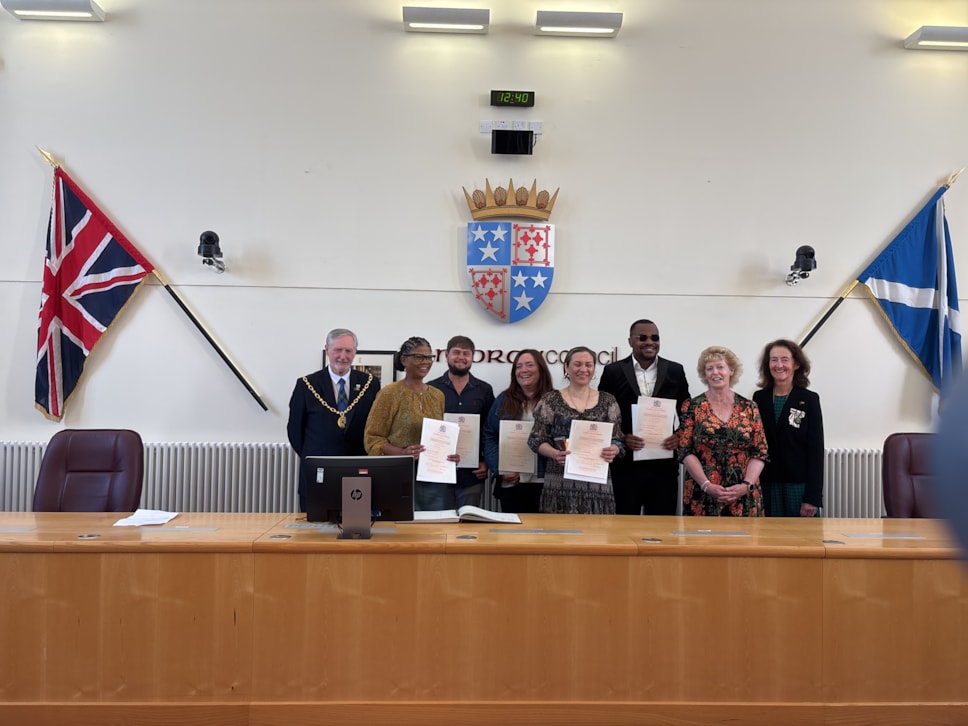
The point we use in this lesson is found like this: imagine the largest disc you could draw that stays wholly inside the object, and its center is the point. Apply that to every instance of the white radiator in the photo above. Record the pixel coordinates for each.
(852, 483)
(180, 477)
(19, 466)
(194, 477)
(262, 477)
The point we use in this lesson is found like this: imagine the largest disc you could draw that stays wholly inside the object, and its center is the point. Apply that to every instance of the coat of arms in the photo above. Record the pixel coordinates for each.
(510, 265)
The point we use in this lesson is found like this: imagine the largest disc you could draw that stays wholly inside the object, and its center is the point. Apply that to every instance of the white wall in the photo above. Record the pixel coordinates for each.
(328, 149)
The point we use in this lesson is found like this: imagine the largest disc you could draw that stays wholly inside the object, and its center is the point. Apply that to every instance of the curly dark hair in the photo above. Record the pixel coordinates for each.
(801, 376)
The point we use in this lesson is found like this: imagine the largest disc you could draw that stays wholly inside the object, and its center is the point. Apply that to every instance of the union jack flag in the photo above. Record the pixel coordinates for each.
(90, 273)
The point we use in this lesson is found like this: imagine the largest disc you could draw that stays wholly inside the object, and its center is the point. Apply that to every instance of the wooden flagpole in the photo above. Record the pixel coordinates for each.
(210, 339)
(191, 316)
(830, 311)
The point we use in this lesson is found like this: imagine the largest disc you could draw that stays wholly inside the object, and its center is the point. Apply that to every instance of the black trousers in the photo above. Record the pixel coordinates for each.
(521, 498)
(646, 487)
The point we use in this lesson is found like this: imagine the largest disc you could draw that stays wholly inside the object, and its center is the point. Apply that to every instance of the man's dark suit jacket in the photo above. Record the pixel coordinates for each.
(619, 379)
(796, 451)
(313, 431)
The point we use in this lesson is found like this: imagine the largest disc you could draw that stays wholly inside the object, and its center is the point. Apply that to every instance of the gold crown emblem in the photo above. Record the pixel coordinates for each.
(511, 202)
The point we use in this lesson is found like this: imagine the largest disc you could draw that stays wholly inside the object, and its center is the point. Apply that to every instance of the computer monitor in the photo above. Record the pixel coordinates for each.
(387, 481)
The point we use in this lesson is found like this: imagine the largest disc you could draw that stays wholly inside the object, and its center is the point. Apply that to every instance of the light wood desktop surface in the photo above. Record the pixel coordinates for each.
(609, 620)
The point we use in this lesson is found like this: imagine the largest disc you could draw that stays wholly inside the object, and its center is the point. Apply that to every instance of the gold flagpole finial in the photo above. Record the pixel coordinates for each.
(954, 177)
(50, 159)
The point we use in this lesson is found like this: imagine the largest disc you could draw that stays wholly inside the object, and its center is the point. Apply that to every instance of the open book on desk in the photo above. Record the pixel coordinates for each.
(467, 513)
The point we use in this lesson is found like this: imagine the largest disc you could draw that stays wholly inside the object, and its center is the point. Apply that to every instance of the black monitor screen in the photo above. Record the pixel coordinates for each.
(509, 141)
(391, 485)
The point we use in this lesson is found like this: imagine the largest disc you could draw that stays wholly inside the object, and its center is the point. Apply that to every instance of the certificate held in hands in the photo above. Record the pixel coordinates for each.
(586, 441)
(654, 420)
(469, 441)
(439, 439)
(514, 456)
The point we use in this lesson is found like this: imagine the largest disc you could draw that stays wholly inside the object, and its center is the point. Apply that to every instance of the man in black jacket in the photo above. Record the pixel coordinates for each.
(328, 408)
(646, 487)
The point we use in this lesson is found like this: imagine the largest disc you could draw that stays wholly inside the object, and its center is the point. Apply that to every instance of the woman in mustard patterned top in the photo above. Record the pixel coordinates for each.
(721, 443)
(395, 422)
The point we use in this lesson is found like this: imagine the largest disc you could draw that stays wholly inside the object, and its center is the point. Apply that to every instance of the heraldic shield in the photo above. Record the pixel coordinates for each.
(511, 266)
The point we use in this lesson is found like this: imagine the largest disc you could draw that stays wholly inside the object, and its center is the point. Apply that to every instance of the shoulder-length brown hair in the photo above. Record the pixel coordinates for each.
(801, 376)
(514, 398)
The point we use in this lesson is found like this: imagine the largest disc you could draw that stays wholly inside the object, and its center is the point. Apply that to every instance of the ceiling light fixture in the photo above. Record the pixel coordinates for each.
(578, 24)
(937, 37)
(446, 20)
(82, 10)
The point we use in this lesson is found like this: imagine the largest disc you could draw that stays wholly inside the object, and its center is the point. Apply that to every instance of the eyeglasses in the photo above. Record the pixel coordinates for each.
(419, 357)
(642, 338)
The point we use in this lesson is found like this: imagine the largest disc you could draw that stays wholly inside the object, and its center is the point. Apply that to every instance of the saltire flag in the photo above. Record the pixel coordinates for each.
(90, 273)
(913, 281)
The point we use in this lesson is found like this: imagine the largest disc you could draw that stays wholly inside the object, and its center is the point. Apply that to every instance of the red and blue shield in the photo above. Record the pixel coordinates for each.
(511, 266)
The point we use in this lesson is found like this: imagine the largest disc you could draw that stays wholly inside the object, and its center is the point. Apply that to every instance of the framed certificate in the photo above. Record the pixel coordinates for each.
(377, 362)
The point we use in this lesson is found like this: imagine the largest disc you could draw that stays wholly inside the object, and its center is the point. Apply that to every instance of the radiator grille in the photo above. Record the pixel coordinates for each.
(193, 477)
(262, 477)
(19, 466)
(852, 483)
(180, 477)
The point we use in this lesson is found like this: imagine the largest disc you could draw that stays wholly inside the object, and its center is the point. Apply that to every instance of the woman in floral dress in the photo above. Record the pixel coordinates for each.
(721, 443)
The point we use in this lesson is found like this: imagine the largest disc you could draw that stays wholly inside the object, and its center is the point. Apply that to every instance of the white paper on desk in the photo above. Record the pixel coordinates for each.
(585, 442)
(439, 439)
(469, 441)
(655, 420)
(514, 456)
(146, 516)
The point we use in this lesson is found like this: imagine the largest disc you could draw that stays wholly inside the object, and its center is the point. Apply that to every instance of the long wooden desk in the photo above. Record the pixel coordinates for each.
(261, 619)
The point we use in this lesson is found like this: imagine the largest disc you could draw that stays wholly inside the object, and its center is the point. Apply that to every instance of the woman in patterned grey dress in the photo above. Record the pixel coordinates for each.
(552, 425)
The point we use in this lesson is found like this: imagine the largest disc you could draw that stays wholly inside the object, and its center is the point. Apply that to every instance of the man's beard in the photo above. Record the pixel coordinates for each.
(459, 372)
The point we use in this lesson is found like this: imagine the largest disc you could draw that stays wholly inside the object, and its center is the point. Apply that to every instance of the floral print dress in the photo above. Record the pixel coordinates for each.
(552, 423)
(723, 448)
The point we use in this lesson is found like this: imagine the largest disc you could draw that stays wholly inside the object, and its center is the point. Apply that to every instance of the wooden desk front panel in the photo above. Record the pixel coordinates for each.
(896, 630)
(614, 624)
(398, 627)
(137, 626)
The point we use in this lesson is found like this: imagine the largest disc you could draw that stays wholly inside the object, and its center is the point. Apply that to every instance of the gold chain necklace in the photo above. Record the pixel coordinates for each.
(341, 421)
(574, 399)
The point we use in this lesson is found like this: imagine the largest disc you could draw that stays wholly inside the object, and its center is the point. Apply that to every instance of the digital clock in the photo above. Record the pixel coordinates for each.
(512, 98)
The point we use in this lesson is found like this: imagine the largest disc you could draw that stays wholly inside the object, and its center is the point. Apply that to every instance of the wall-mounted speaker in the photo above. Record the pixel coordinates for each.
(507, 141)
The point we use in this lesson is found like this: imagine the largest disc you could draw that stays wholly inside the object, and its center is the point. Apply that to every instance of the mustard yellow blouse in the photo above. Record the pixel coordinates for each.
(397, 416)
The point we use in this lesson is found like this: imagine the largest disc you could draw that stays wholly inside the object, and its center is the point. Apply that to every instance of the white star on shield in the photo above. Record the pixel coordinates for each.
(523, 301)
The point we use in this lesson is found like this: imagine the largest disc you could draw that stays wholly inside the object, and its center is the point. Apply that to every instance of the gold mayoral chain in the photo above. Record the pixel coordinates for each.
(341, 421)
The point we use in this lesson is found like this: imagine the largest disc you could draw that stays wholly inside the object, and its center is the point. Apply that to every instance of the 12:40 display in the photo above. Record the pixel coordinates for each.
(512, 98)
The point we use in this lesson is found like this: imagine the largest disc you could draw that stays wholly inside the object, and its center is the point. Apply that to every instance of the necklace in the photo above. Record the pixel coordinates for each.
(574, 399)
(341, 421)
(722, 408)
(418, 394)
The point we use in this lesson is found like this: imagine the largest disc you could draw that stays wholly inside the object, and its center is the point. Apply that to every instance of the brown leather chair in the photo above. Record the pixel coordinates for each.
(908, 474)
(91, 470)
